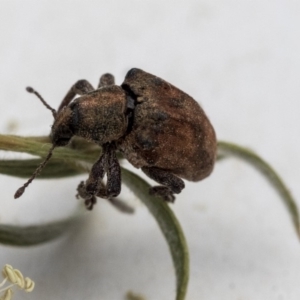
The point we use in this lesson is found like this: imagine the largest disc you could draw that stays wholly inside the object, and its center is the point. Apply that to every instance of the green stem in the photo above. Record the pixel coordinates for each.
(226, 149)
(169, 226)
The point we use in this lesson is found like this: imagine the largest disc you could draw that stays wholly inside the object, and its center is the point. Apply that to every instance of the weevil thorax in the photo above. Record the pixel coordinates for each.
(99, 116)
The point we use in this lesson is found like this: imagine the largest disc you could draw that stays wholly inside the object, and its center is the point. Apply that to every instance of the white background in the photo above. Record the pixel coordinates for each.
(240, 60)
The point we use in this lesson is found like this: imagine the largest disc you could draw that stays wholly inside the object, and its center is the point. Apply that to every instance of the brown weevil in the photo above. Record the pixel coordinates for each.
(156, 127)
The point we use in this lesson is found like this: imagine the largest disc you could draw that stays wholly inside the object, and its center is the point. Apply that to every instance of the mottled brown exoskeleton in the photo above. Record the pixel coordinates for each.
(156, 127)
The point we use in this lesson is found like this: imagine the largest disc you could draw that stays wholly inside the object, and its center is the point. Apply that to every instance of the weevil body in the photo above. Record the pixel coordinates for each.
(156, 126)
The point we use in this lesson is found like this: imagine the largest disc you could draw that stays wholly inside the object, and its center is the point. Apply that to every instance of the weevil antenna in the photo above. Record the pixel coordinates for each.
(31, 90)
(21, 190)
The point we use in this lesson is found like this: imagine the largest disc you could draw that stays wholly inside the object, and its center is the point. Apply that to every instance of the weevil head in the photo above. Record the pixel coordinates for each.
(62, 129)
(61, 134)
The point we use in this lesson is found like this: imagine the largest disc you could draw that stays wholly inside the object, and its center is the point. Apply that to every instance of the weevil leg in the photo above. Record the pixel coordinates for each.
(106, 79)
(113, 184)
(81, 87)
(113, 170)
(94, 186)
(96, 175)
(170, 183)
(88, 189)
(162, 191)
(89, 200)
(174, 183)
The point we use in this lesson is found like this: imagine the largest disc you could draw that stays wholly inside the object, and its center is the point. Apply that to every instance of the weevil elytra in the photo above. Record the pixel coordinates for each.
(156, 126)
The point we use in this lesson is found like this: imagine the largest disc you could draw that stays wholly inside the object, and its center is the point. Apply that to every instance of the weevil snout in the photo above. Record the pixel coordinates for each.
(62, 130)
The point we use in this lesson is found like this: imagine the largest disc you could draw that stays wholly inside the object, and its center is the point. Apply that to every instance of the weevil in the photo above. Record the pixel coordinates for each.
(157, 127)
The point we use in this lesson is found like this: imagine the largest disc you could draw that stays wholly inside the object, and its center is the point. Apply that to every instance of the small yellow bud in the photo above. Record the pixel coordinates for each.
(7, 295)
(20, 278)
(29, 285)
(4, 270)
(8, 272)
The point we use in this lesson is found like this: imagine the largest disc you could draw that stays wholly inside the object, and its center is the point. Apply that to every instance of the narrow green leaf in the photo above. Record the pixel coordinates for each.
(41, 148)
(54, 169)
(169, 226)
(37, 234)
(227, 149)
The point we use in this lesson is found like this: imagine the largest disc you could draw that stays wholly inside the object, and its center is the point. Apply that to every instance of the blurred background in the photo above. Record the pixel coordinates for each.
(240, 61)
